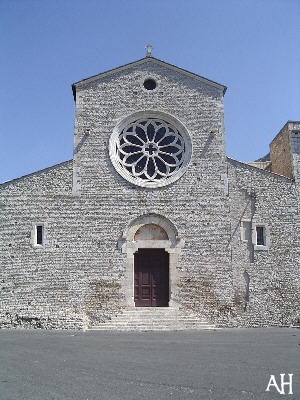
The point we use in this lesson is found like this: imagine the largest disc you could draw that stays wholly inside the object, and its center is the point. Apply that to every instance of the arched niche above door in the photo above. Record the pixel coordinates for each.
(151, 232)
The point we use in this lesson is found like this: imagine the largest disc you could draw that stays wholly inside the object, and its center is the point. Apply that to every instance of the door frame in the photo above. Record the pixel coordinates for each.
(129, 246)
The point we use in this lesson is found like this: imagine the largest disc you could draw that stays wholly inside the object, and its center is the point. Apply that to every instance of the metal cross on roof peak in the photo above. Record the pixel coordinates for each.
(148, 48)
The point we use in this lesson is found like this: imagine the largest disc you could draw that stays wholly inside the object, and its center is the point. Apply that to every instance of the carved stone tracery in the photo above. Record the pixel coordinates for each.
(151, 151)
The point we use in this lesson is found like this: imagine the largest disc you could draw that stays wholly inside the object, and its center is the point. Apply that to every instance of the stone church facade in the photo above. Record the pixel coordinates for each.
(151, 213)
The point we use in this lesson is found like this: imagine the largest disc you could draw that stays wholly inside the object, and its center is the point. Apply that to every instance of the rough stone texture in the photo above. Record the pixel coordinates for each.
(285, 150)
(281, 155)
(78, 278)
(269, 199)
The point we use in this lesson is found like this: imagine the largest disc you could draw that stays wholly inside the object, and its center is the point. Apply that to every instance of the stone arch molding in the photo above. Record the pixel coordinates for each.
(130, 246)
(154, 219)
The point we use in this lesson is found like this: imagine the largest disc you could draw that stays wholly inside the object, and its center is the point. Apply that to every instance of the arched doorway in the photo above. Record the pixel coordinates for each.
(152, 245)
(151, 269)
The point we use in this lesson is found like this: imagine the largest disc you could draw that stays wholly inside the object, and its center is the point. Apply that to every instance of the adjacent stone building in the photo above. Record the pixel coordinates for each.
(150, 214)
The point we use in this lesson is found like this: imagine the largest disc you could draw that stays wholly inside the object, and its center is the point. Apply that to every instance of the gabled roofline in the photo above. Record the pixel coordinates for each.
(257, 169)
(43, 170)
(145, 60)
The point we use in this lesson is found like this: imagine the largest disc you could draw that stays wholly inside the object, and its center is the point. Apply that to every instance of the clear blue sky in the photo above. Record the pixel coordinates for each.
(251, 46)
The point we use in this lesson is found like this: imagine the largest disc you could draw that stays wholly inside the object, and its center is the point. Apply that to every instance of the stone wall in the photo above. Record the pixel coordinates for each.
(285, 151)
(36, 289)
(281, 155)
(77, 278)
(196, 203)
(264, 198)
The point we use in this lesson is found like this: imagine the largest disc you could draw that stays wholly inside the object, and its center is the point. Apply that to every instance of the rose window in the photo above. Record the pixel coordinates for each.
(149, 152)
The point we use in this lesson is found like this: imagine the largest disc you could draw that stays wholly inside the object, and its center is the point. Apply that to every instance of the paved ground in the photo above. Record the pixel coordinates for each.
(209, 365)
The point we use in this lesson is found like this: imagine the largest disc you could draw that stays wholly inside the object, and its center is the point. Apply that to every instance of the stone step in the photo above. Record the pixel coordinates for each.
(167, 319)
(106, 327)
(173, 316)
(151, 328)
(151, 318)
(158, 321)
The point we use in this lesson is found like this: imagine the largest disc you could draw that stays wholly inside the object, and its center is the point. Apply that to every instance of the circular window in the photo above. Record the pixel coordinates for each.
(150, 152)
(150, 84)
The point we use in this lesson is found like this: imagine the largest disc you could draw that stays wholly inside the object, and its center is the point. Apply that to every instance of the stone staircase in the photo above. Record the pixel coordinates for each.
(154, 319)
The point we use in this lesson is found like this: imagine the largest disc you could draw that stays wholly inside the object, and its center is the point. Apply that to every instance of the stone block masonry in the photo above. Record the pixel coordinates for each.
(83, 273)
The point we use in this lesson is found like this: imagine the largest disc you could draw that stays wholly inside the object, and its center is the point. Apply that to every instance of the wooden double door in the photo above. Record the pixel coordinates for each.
(151, 278)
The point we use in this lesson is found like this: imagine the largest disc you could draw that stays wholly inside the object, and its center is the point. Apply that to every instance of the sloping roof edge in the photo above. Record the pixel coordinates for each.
(35, 172)
(262, 171)
(145, 60)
